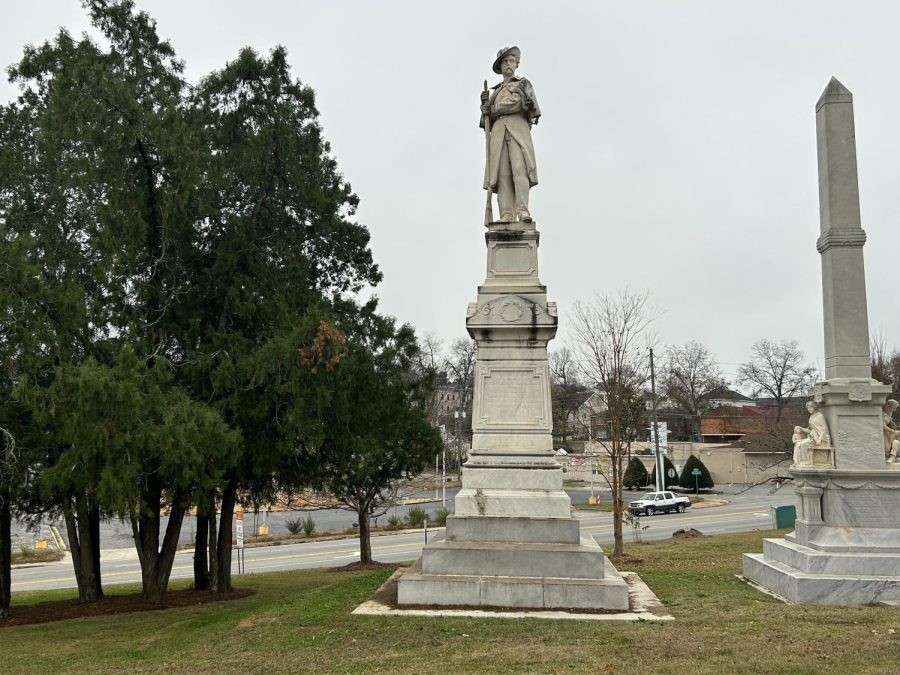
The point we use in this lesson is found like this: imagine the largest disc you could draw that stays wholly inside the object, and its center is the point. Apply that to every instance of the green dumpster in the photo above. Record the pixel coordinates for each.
(784, 516)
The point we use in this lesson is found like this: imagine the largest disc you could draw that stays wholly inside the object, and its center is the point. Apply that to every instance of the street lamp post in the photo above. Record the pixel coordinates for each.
(459, 415)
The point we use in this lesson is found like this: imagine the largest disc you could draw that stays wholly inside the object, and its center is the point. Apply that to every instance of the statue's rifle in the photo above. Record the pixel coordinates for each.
(488, 212)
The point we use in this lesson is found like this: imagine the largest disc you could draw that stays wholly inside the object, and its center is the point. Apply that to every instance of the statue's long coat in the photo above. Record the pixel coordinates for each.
(519, 128)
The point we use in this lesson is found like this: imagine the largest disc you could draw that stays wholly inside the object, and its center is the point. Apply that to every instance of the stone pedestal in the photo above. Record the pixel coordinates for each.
(852, 407)
(512, 541)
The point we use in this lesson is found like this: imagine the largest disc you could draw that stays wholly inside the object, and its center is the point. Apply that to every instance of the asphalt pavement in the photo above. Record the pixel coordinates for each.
(737, 510)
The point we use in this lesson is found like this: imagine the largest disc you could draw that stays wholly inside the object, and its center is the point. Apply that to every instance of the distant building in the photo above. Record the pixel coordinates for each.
(728, 423)
(729, 397)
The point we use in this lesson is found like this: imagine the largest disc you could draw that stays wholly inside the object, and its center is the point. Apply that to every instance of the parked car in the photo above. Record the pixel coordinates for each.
(658, 502)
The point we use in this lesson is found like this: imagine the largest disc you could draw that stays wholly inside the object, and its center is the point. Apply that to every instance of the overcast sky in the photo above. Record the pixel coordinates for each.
(676, 152)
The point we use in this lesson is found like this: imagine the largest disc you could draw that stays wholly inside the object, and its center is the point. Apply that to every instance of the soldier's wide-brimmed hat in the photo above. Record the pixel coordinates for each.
(515, 51)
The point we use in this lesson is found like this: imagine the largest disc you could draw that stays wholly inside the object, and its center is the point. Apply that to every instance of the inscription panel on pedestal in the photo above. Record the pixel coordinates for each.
(511, 397)
(862, 507)
(512, 259)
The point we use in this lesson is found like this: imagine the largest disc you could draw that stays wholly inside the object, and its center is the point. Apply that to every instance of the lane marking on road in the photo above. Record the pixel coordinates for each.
(333, 554)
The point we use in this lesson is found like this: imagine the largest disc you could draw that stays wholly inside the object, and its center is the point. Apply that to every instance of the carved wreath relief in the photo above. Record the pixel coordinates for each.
(511, 310)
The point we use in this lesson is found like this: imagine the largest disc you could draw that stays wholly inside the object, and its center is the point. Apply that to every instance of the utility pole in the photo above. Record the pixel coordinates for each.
(660, 481)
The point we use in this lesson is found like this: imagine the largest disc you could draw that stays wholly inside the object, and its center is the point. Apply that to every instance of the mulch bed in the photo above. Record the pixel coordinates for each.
(60, 610)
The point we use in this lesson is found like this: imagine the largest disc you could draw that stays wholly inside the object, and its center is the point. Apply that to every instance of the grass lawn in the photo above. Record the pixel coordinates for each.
(300, 622)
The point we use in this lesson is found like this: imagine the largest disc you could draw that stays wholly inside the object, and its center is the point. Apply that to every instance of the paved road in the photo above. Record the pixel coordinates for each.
(115, 534)
(746, 511)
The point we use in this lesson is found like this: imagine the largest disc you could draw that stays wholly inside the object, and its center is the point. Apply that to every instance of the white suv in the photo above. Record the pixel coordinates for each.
(656, 502)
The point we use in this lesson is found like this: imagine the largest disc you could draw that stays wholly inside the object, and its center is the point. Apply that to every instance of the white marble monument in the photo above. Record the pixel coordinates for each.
(512, 540)
(845, 549)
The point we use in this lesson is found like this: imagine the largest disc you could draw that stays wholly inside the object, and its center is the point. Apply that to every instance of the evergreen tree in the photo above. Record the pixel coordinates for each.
(355, 406)
(278, 245)
(131, 441)
(202, 233)
(636, 475)
(687, 480)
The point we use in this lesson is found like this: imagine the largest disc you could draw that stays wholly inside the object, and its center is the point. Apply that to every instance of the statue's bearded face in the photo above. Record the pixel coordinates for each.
(509, 64)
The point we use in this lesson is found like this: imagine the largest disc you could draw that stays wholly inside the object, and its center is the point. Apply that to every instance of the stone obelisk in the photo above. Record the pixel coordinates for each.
(851, 400)
(845, 549)
(512, 540)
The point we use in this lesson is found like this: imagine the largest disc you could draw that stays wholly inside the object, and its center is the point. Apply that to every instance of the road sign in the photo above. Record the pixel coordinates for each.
(239, 528)
(696, 472)
(663, 436)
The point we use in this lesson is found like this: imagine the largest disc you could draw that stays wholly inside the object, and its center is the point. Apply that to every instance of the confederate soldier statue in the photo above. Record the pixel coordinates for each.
(507, 115)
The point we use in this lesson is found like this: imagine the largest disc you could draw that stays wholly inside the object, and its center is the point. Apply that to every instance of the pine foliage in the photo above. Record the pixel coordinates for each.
(704, 481)
(636, 475)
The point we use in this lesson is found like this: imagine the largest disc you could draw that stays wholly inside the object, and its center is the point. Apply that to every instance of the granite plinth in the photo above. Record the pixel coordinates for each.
(845, 549)
(519, 529)
(606, 591)
(498, 474)
(820, 589)
(492, 559)
(513, 503)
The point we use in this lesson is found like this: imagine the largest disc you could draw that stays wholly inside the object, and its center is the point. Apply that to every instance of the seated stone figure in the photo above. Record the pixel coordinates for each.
(807, 438)
(891, 433)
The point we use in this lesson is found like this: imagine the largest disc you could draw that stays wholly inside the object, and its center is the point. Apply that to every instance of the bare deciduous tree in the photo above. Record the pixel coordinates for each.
(885, 364)
(460, 366)
(611, 340)
(430, 359)
(690, 375)
(777, 370)
(567, 393)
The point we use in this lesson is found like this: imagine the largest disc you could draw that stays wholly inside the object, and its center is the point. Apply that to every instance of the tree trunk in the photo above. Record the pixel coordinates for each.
(618, 549)
(365, 537)
(224, 553)
(85, 559)
(156, 560)
(94, 524)
(213, 545)
(5, 548)
(201, 543)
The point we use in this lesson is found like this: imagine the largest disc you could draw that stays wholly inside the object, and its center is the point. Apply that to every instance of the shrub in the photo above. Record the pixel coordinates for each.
(415, 517)
(704, 481)
(294, 525)
(394, 522)
(309, 525)
(669, 473)
(440, 516)
(636, 475)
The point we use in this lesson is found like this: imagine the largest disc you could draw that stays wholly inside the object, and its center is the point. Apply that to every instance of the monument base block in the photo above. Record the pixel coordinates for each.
(502, 583)
(845, 549)
(807, 588)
